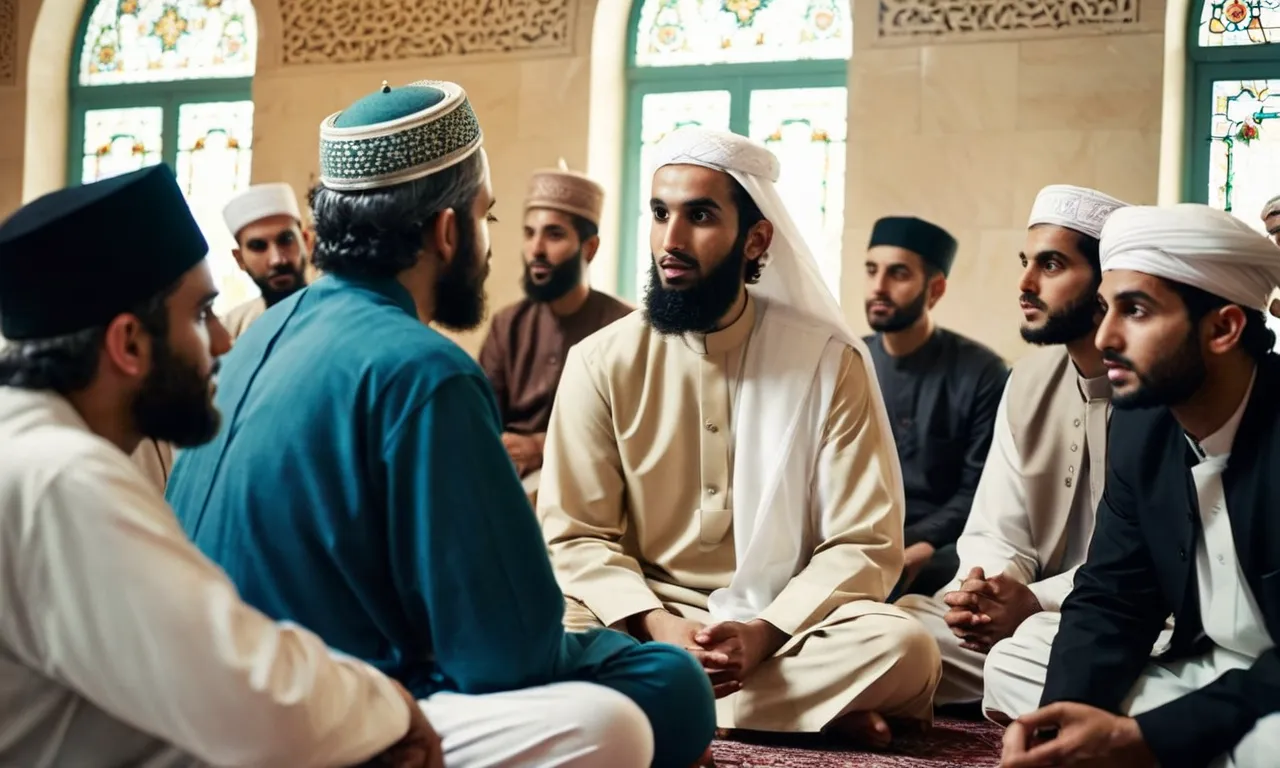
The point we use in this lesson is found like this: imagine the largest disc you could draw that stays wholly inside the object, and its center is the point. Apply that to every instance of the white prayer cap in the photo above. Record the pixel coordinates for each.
(1079, 208)
(1271, 208)
(721, 150)
(1195, 245)
(259, 202)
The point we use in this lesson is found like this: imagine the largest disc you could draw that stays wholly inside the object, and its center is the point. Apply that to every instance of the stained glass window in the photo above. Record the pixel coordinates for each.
(1244, 149)
(685, 32)
(806, 129)
(663, 113)
(117, 141)
(143, 41)
(1239, 22)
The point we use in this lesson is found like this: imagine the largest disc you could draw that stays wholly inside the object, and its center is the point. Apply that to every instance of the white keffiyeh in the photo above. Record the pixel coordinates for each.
(775, 514)
(1195, 245)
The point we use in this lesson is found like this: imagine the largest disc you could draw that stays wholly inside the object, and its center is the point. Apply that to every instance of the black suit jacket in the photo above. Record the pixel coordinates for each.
(1141, 568)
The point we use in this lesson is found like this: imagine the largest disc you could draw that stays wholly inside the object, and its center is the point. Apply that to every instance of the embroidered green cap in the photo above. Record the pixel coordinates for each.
(398, 135)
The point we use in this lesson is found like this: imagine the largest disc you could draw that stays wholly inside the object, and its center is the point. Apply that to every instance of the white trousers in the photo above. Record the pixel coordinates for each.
(1016, 668)
(564, 724)
(961, 681)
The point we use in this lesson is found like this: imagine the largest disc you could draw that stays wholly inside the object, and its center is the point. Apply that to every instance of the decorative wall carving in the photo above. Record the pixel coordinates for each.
(916, 20)
(8, 41)
(352, 31)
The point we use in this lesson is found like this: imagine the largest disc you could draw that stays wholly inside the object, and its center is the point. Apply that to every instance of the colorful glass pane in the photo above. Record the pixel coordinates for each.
(215, 148)
(1239, 22)
(1244, 147)
(660, 114)
(144, 41)
(117, 141)
(806, 128)
(684, 32)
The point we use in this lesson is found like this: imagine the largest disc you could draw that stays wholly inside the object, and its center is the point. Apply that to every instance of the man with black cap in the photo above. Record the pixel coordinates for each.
(120, 644)
(941, 389)
(398, 528)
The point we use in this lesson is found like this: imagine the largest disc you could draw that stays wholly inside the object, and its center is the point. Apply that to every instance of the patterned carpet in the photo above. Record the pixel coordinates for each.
(951, 744)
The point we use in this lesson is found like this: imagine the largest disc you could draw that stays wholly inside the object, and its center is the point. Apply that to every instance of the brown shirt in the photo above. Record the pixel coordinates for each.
(524, 354)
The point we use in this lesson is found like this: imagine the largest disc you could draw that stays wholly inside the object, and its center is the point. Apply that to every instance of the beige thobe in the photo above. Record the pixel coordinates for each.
(1033, 511)
(239, 318)
(637, 509)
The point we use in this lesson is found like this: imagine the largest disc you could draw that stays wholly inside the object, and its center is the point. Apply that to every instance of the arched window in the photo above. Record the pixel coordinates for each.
(774, 70)
(169, 81)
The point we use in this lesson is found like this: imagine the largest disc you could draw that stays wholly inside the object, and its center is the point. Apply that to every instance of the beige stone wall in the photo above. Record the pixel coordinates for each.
(962, 128)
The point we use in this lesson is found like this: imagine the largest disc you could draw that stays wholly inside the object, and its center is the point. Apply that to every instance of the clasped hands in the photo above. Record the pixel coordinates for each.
(729, 650)
(985, 611)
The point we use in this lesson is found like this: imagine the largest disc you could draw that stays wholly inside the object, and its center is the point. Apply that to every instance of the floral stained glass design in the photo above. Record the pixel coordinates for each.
(1244, 147)
(215, 148)
(687, 32)
(662, 113)
(1239, 22)
(143, 41)
(117, 141)
(806, 128)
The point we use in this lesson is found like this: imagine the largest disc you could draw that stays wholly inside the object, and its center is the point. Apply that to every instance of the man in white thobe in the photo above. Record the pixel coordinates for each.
(1186, 521)
(1032, 513)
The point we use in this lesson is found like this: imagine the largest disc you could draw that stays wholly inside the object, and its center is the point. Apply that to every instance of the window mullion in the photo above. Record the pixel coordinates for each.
(169, 133)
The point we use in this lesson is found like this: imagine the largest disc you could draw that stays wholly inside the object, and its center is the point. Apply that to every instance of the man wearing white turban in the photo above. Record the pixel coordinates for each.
(1186, 524)
(719, 470)
(1032, 513)
(1271, 218)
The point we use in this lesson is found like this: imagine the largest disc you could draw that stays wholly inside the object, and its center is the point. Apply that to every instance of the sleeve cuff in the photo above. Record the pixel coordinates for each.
(1053, 591)
(618, 599)
(795, 607)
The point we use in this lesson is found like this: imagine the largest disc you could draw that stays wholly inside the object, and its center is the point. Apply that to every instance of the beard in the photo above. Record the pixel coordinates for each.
(1072, 322)
(903, 317)
(564, 277)
(700, 306)
(175, 403)
(459, 291)
(272, 296)
(1171, 381)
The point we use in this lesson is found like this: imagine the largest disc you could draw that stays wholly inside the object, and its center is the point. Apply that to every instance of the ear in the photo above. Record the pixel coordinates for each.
(235, 253)
(937, 288)
(1223, 328)
(589, 248)
(126, 347)
(759, 238)
(309, 240)
(443, 234)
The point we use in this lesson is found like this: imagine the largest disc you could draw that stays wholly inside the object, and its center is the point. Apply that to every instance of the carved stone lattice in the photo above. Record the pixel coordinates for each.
(917, 19)
(353, 31)
(8, 41)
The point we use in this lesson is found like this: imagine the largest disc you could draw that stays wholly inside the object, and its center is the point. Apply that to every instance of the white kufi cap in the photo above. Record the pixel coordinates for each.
(1079, 208)
(259, 202)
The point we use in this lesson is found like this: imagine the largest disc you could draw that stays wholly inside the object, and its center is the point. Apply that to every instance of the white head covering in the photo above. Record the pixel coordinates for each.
(1271, 208)
(773, 503)
(1195, 245)
(259, 202)
(1079, 208)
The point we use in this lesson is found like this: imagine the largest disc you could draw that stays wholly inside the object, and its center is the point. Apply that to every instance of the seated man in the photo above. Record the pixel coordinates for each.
(524, 352)
(941, 391)
(120, 644)
(719, 471)
(1187, 522)
(396, 527)
(1033, 511)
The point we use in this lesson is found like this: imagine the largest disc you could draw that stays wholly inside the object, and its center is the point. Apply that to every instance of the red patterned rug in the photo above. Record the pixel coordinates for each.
(950, 744)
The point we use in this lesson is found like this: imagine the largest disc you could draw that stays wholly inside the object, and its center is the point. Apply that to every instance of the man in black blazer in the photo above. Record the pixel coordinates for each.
(1189, 522)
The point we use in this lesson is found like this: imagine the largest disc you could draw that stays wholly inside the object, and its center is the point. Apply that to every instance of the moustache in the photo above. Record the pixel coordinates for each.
(1112, 356)
(683, 258)
(540, 261)
(1033, 300)
(285, 271)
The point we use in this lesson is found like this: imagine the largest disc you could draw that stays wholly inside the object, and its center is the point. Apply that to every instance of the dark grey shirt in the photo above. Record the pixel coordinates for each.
(942, 402)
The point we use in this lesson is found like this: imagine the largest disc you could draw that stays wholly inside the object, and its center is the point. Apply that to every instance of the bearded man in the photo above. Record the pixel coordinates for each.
(392, 522)
(272, 248)
(720, 473)
(941, 390)
(1187, 523)
(524, 353)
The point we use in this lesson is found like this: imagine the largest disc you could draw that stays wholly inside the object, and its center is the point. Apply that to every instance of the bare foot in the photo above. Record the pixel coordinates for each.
(865, 729)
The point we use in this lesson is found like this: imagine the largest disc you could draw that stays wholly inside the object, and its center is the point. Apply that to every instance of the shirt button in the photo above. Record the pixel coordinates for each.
(554, 359)
(1077, 422)
(711, 490)
(1075, 447)
(712, 428)
(1071, 469)
(1182, 553)
(1068, 482)
(1221, 560)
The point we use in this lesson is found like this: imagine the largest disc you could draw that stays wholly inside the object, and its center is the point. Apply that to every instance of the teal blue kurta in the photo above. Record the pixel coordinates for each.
(359, 487)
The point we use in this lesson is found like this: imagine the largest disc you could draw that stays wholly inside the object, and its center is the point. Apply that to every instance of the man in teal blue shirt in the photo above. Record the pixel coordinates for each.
(359, 485)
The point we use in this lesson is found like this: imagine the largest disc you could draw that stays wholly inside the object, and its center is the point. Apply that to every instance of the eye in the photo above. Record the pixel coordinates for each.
(701, 217)
(1135, 311)
(489, 217)
(659, 213)
(1023, 261)
(1052, 266)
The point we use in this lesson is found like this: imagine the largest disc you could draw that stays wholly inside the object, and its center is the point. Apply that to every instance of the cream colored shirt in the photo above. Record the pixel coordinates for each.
(120, 644)
(636, 498)
(239, 318)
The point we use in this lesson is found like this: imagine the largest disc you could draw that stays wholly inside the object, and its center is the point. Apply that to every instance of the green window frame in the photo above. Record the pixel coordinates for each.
(738, 79)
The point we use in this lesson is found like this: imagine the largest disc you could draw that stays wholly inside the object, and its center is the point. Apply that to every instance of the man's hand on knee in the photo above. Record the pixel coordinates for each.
(985, 611)
(420, 746)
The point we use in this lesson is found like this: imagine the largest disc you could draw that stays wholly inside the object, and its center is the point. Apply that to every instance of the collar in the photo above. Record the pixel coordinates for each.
(923, 359)
(730, 337)
(1219, 443)
(1097, 388)
(387, 287)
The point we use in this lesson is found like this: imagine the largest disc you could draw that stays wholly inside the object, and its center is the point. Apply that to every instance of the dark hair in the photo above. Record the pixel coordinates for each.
(1091, 247)
(69, 363)
(585, 229)
(1257, 340)
(379, 232)
(748, 216)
